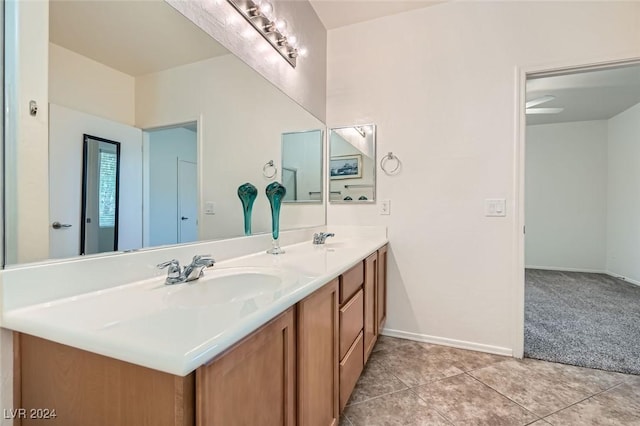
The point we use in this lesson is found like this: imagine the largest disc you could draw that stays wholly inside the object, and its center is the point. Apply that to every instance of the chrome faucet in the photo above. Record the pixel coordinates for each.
(176, 274)
(321, 237)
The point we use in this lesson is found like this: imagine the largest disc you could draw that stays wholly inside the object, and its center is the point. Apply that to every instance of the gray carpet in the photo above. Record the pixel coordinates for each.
(589, 320)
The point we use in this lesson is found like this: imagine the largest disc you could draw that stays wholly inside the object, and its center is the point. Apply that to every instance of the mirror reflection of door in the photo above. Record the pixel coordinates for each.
(187, 201)
(302, 166)
(100, 187)
(171, 185)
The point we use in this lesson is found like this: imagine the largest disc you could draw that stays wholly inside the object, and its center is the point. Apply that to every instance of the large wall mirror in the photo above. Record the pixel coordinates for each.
(301, 170)
(192, 122)
(352, 164)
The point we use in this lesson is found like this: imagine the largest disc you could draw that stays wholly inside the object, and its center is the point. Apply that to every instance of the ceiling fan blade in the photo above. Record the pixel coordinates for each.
(538, 101)
(543, 110)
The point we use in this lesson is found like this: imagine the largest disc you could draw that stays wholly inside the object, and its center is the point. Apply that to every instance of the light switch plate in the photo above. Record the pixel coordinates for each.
(385, 207)
(209, 207)
(495, 207)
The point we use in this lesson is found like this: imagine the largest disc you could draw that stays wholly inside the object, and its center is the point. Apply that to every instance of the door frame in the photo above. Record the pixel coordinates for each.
(521, 75)
(145, 171)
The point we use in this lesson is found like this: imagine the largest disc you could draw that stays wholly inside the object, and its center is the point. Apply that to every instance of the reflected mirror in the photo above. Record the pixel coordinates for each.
(352, 164)
(100, 184)
(193, 121)
(302, 166)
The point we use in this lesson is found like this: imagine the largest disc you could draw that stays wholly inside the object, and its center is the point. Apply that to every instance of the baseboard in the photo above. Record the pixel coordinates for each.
(562, 268)
(623, 278)
(460, 344)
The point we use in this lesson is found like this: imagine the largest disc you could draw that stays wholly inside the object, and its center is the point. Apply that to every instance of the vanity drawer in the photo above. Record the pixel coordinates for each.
(351, 281)
(351, 321)
(350, 369)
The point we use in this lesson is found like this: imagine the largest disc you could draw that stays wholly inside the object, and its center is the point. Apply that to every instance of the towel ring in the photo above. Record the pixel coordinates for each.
(268, 166)
(384, 164)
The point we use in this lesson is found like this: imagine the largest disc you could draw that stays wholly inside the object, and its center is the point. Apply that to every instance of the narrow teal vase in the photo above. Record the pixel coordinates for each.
(275, 193)
(247, 194)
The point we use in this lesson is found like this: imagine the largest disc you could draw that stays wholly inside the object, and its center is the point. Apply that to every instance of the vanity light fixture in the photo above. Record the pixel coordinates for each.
(259, 13)
(360, 130)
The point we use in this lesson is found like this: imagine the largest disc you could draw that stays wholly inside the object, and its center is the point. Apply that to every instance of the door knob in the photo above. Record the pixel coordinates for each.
(184, 218)
(58, 225)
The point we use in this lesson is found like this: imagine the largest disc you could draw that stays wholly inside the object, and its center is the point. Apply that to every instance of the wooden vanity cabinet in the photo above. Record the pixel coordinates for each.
(298, 369)
(254, 382)
(352, 301)
(381, 288)
(317, 355)
(85, 388)
(370, 318)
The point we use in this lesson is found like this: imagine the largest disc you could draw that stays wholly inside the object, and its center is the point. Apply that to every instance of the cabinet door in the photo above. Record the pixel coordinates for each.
(381, 292)
(254, 382)
(318, 357)
(370, 320)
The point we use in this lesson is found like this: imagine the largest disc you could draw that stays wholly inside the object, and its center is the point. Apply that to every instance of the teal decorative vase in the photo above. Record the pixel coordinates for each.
(275, 193)
(247, 194)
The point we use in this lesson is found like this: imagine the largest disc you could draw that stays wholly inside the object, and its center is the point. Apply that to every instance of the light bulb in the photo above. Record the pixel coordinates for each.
(303, 52)
(266, 9)
(281, 25)
(293, 40)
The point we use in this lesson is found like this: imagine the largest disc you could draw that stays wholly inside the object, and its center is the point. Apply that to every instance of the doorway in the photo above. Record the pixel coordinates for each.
(582, 208)
(171, 184)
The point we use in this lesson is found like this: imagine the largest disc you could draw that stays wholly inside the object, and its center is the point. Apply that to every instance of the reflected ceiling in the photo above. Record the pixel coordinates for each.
(109, 32)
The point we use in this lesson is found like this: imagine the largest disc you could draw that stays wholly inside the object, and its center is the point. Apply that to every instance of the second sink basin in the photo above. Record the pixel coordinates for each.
(228, 285)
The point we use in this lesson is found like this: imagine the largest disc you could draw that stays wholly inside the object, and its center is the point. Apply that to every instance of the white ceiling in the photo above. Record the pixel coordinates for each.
(134, 37)
(592, 95)
(339, 13)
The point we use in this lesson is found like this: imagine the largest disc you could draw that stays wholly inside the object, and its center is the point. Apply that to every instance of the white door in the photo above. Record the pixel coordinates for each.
(187, 201)
(66, 130)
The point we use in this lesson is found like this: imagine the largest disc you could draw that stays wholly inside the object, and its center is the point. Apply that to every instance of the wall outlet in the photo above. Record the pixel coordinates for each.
(385, 207)
(495, 207)
(209, 207)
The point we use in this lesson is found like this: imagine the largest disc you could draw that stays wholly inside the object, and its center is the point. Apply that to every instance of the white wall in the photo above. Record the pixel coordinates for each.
(241, 128)
(566, 196)
(442, 90)
(623, 221)
(83, 84)
(307, 83)
(165, 147)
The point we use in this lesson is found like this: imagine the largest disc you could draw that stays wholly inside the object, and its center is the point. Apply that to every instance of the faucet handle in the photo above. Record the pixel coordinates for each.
(171, 264)
(203, 260)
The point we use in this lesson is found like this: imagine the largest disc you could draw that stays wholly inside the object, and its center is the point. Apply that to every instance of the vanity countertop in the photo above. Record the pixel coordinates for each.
(147, 323)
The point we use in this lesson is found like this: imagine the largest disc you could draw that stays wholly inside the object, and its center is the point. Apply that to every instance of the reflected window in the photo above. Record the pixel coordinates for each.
(107, 189)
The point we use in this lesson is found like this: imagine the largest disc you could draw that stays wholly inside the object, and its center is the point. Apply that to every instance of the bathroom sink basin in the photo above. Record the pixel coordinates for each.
(231, 285)
(339, 244)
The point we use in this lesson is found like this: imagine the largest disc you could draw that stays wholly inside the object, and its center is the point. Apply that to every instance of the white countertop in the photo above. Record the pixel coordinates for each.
(144, 322)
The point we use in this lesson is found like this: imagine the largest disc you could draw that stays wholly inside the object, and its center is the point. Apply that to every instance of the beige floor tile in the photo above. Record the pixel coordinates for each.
(617, 406)
(375, 380)
(464, 400)
(543, 387)
(400, 408)
(540, 422)
(413, 365)
(464, 359)
(344, 421)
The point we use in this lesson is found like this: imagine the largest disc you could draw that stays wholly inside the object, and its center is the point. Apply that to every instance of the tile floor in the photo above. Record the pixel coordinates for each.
(410, 383)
